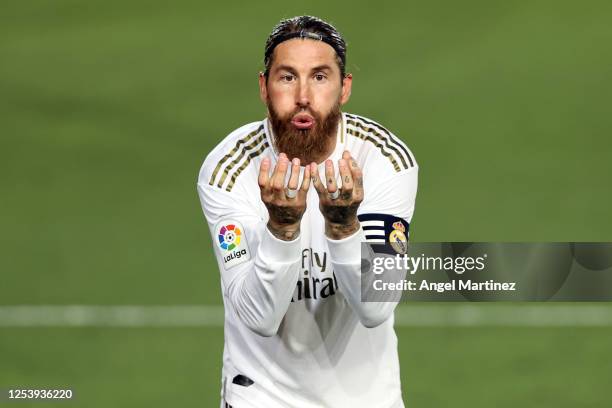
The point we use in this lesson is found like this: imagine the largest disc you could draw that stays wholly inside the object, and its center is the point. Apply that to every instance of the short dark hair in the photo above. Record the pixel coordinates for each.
(305, 27)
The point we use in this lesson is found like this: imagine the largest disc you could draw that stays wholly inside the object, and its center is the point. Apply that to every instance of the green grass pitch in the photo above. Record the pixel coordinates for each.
(108, 108)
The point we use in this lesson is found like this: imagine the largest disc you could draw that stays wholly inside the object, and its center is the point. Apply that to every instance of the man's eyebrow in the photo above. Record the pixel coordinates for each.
(323, 67)
(287, 68)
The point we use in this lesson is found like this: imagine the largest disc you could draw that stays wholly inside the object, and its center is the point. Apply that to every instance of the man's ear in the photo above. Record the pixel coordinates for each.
(347, 83)
(263, 89)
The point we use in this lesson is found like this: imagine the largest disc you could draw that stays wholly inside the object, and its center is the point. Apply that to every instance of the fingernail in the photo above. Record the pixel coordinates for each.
(296, 162)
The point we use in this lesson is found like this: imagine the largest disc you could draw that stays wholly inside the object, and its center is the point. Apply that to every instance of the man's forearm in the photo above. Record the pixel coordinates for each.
(262, 296)
(346, 260)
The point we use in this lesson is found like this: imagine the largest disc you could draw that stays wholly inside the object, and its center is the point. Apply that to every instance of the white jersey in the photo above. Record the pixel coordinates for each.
(296, 331)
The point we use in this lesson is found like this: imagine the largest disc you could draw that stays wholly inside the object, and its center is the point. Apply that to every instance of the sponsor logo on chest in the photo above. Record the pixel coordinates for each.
(315, 281)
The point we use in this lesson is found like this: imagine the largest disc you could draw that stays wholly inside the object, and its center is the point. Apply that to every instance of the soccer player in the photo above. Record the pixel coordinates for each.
(288, 201)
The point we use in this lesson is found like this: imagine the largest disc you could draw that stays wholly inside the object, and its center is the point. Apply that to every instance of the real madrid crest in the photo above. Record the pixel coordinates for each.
(397, 238)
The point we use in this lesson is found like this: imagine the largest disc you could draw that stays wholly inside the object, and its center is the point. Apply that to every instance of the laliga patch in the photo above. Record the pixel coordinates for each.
(385, 233)
(232, 243)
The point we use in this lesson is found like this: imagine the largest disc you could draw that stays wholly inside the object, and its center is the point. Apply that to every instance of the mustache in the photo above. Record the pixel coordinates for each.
(301, 110)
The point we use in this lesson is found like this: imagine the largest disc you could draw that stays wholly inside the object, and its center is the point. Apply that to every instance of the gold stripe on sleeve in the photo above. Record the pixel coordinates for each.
(240, 142)
(374, 133)
(386, 135)
(239, 170)
(234, 162)
(375, 142)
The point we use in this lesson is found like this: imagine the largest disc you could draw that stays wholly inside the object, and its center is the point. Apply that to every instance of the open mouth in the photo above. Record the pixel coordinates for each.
(302, 121)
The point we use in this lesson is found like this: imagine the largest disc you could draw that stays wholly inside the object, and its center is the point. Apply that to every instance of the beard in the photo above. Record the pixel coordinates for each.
(308, 145)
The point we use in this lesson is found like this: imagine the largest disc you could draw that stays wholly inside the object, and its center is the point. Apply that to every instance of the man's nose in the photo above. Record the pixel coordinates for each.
(303, 94)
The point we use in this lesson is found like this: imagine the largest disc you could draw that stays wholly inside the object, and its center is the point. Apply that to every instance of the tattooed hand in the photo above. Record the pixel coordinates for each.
(340, 213)
(285, 205)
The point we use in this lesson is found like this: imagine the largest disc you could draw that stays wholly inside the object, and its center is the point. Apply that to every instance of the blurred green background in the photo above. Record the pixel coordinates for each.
(108, 108)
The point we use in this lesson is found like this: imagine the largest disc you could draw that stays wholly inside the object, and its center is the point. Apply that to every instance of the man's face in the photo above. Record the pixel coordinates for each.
(304, 92)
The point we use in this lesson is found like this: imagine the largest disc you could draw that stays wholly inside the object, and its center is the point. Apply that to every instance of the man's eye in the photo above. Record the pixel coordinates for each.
(319, 77)
(287, 77)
